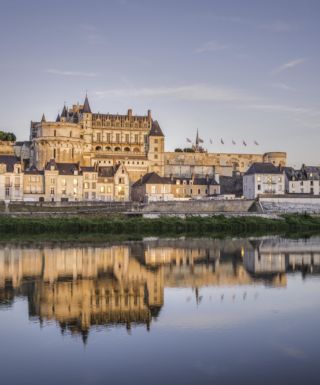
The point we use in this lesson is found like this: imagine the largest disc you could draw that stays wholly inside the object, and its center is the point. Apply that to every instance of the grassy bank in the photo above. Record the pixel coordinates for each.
(158, 226)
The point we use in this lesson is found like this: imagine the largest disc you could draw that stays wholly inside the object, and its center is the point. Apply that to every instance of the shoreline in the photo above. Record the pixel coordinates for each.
(162, 225)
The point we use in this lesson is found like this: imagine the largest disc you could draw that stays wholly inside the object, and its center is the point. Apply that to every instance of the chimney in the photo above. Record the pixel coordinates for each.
(149, 114)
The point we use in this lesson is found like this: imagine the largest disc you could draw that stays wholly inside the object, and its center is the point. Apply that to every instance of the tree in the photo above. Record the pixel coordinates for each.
(7, 136)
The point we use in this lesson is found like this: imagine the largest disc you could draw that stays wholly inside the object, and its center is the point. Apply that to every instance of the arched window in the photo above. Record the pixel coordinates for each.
(136, 149)
(108, 148)
(98, 148)
(54, 153)
(126, 149)
(55, 133)
(117, 149)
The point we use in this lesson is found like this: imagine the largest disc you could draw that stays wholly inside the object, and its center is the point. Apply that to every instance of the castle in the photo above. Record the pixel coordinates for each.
(84, 155)
(79, 135)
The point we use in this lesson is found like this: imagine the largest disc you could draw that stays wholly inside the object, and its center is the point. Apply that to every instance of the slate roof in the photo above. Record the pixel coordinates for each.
(9, 161)
(306, 173)
(63, 168)
(155, 129)
(263, 168)
(64, 112)
(154, 178)
(33, 171)
(86, 106)
(108, 171)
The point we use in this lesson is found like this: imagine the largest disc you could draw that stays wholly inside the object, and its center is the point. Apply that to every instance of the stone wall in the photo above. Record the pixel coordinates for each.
(199, 207)
(290, 204)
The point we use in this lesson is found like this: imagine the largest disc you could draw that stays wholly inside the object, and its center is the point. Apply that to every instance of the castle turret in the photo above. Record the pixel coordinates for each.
(156, 149)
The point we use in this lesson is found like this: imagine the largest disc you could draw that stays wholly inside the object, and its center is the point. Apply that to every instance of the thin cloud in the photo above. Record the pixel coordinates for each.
(278, 108)
(54, 71)
(283, 87)
(211, 46)
(277, 26)
(289, 65)
(195, 92)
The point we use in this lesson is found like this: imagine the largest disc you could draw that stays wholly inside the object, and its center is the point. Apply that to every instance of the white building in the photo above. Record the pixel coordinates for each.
(304, 181)
(11, 178)
(263, 178)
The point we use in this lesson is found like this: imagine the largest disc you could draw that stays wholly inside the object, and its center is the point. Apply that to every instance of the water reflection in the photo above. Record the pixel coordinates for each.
(86, 286)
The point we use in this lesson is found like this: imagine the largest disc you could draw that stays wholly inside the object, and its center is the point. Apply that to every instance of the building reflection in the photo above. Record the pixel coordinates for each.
(86, 286)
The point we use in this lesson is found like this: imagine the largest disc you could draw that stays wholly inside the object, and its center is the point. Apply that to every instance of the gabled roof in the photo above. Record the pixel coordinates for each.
(263, 168)
(63, 168)
(155, 129)
(9, 161)
(86, 106)
(151, 177)
(108, 171)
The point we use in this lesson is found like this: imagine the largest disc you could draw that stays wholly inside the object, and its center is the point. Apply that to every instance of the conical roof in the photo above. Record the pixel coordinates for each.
(86, 106)
(43, 119)
(58, 118)
(64, 113)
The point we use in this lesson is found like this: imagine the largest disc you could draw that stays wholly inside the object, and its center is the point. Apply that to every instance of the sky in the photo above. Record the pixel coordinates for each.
(233, 69)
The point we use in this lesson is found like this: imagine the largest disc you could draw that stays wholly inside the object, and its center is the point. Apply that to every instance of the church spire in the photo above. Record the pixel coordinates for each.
(86, 106)
(43, 119)
(58, 118)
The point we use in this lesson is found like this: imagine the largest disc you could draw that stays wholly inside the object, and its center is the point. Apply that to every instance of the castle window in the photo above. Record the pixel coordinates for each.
(127, 138)
(52, 190)
(136, 138)
(86, 185)
(156, 141)
(117, 138)
(155, 156)
(54, 153)
(108, 148)
(98, 148)
(136, 149)
(99, 137)
(108, 137)
(156, 149)
(70, 134)
(55, 133)
(127, 149)
(117, 149)
(102, 189)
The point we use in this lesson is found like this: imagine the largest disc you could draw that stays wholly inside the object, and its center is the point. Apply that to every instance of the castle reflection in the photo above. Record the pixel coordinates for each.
(86, 286)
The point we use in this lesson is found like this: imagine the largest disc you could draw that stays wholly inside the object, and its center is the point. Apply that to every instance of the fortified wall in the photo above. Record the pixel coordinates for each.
(205, 163)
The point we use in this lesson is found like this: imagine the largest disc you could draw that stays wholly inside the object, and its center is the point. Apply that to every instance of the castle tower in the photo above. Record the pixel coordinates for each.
(86, 119)
(156, 149)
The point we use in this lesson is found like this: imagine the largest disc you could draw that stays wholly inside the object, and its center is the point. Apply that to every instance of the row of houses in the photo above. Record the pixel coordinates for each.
(61, 182)
(265, 178)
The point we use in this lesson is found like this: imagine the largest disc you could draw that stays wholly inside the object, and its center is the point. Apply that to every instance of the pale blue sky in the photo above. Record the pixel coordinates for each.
(241, 69)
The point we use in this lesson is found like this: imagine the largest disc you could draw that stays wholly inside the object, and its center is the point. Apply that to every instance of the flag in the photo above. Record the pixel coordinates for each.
(222, 142)
(244, 143)
(233, 142)
(188, 140)
(256, 143)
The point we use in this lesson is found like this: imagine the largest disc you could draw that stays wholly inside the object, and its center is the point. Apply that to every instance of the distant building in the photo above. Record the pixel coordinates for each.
(153, 187)
(11, 178)
(263, 178)
(303, 181)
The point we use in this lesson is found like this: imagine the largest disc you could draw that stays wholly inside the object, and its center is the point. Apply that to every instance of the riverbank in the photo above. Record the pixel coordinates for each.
(157, 226)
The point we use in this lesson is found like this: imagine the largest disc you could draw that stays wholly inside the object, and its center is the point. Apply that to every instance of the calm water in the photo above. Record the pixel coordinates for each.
(194, 311)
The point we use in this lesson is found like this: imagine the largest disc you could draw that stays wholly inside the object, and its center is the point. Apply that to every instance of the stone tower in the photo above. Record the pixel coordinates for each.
(156, 149)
